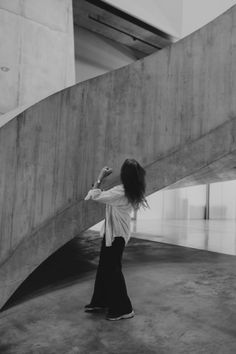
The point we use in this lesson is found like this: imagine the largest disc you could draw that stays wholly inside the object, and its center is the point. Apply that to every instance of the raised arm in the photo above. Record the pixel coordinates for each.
(105, 171)
(107, 197)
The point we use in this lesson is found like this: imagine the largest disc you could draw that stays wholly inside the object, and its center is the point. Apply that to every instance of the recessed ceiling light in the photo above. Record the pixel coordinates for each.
(5, 68)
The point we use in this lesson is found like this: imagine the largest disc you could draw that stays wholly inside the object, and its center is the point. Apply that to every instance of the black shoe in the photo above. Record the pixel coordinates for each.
(94, 308)
(117, 317)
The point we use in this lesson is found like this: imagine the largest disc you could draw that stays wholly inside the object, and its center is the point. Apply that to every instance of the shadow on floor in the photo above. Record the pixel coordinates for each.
(71, 262)
(80, 257)
(184, 300)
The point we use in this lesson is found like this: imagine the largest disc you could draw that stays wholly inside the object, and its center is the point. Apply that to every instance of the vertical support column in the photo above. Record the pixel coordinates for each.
(207, 207)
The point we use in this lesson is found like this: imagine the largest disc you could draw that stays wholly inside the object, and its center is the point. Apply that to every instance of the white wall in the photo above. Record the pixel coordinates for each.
(189, 203)
(197, 13)
(163, 14)
(36, 50)
(96, 55)
(223, 200)
(178, 204)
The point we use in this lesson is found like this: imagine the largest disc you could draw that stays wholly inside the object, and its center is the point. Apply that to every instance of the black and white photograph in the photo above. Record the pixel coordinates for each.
(117, 176)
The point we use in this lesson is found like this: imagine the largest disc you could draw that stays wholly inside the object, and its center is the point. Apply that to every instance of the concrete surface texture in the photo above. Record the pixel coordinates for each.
(169, 110)
(184, 301)
(37, 50)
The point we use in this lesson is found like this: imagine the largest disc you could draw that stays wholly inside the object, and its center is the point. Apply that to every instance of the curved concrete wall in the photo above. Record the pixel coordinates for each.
(169, 110)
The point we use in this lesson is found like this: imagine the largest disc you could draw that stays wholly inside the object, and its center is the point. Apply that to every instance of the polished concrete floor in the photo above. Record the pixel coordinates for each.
(184, 299)
(212, 235)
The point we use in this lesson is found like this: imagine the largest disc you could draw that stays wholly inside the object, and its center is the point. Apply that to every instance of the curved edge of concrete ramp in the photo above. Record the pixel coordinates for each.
(173, 111)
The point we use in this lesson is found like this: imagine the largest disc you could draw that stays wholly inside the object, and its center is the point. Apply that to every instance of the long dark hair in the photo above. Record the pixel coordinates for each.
(132, 176)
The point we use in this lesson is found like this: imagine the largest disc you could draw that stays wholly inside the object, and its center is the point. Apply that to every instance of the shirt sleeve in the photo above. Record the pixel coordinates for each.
(110, 196)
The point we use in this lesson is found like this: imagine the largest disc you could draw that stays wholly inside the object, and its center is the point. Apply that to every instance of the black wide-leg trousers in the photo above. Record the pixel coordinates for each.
(110, 288)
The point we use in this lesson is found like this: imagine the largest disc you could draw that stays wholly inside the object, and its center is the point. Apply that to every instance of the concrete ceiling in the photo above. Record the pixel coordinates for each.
(115, 24)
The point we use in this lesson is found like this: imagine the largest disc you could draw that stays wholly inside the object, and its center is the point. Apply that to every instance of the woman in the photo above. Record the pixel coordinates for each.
(110, 289)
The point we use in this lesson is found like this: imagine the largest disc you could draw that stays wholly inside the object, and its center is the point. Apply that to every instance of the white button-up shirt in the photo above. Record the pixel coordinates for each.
(118, 212)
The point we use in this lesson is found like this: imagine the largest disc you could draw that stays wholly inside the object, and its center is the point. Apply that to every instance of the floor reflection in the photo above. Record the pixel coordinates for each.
(212, 235)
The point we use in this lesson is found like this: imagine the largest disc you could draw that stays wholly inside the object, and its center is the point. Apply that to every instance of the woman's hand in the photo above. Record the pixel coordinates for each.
(105, 171)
